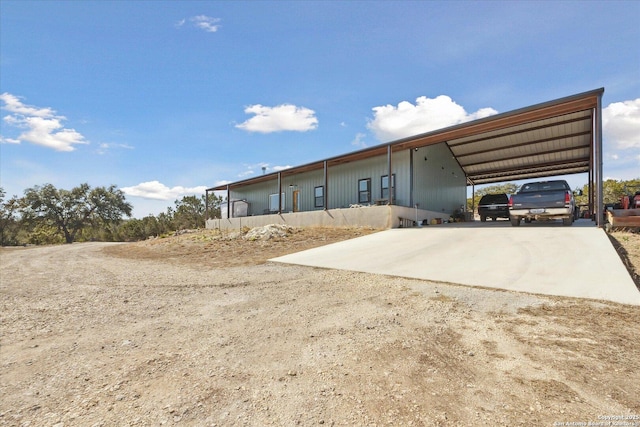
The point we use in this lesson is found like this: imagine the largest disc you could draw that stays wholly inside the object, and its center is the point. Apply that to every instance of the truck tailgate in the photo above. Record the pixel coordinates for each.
(543, 199)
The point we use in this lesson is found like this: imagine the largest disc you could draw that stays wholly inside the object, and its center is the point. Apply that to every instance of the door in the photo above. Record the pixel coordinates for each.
(296, 200)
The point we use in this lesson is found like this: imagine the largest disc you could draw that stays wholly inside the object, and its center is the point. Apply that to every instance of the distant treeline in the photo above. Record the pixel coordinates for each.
(48, 215)
(612, 191)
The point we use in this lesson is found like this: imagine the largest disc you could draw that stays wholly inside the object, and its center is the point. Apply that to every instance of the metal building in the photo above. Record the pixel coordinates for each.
(424, 177)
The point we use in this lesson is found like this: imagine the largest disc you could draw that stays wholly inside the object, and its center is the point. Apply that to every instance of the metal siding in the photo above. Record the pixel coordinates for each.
(343, 180)
(401, 167)
(439, 182)
(305, 183)
(435, 188)
(258, 194)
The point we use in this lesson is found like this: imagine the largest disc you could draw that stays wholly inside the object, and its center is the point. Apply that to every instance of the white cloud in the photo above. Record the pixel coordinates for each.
(621, 124)
(4, 140)
(358, 140)
(157, 191)
(390, 122)
(203, 22)
(284, 117)
(281, 168)
(105, 147)
(41, 125)
(206, 23)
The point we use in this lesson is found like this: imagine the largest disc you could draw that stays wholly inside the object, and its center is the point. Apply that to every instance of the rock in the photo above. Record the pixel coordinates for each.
(268, 232)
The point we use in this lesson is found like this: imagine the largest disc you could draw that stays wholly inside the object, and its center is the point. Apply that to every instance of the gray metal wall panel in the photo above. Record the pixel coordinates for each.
(439, 182)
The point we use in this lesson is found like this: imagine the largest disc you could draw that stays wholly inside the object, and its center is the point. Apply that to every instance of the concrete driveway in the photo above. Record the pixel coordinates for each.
(577, 261)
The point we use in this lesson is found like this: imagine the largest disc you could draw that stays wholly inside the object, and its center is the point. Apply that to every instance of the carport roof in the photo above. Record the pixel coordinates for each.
(551, 138)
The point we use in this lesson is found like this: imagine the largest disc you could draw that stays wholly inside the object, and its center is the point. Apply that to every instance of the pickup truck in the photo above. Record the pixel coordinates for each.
(543, 200)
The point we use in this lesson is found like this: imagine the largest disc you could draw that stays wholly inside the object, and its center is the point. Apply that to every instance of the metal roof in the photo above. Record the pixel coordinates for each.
(552, 138)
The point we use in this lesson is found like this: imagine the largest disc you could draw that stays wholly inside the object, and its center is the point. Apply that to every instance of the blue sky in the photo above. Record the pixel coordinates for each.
(167, 98)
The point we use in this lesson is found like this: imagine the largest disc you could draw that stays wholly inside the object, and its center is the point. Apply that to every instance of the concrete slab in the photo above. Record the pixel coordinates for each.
(550, 259)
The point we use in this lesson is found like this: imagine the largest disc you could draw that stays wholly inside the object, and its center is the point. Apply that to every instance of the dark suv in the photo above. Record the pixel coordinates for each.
(493, 206)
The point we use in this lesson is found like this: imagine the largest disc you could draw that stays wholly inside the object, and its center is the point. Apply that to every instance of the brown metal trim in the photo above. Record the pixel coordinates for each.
(529, 143)
(554, 166)
(528, 175)
(538, 153)
(497, 122)
(516, 132)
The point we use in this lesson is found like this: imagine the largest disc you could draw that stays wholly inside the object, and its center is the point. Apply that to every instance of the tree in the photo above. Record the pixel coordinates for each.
(71, 211)
(189, 212)
(507, 188)
(214, 206)
(9, 225)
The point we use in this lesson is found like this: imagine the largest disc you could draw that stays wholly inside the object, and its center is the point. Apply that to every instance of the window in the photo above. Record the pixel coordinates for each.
(364, 190)
(273, 203)
(319, 197)
(384, 186)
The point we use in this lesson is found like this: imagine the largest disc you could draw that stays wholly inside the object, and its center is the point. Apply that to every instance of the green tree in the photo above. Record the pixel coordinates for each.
(189, 212)
(214, 206)
(9, 222)
(507, 188)
(70, 211)
(612, 191)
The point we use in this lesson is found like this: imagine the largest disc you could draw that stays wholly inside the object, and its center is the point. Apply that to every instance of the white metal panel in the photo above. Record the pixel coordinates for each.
(439, 182)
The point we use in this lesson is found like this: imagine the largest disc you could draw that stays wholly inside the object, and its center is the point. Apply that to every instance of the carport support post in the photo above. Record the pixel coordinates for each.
(598, 135)
(473, 199)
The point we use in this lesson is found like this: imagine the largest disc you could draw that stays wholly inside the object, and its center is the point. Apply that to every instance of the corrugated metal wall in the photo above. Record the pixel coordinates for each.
(258, 195)
(343, 179)
(438, 181)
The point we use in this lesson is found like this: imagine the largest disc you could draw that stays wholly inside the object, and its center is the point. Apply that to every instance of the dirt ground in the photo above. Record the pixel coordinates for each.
(199, 330)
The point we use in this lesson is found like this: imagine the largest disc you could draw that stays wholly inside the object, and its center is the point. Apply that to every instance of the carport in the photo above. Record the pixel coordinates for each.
(559, 137)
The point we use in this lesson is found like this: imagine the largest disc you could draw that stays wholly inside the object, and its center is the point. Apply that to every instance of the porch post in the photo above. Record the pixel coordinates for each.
(279, 192)
(411, 150)
(206, 207)
(326, 185)
(390, 175)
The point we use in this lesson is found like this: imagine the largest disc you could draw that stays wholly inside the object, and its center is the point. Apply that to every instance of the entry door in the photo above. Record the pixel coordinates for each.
(296, 200)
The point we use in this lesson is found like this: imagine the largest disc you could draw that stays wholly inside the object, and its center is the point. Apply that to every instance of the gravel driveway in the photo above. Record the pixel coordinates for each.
(91, 339)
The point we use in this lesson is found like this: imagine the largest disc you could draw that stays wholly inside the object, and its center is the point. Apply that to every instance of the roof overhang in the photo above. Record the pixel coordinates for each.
(547, 139)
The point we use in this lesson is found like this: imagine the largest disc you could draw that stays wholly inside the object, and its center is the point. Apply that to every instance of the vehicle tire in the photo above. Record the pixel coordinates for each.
(483, 218)
(567, 221)
(515, 221)
(527, 220)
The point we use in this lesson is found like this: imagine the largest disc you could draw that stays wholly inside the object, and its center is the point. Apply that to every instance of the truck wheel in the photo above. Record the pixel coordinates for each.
(483, 218)
(515, 221)
(567, 221)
